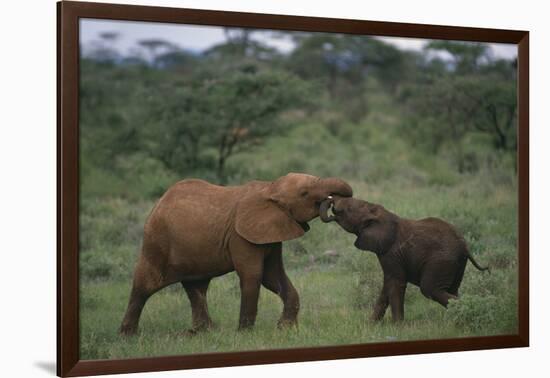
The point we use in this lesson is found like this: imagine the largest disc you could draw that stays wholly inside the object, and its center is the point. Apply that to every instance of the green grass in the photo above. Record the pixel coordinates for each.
(329, 316)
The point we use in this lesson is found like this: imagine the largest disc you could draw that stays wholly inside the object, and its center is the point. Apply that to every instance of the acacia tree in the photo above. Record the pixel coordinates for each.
(473, 94)
(455, 105)
(466, 56)
(344, 64)
(153, 47)
(496, 106)
(245, 109)
(175, 123)
(443, 114)
(222, 115)
(109, 108)
(104, 50)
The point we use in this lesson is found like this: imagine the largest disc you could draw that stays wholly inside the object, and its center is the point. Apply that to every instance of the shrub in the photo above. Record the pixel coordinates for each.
(367, 288)
(108, 262)
(368, 280)
(500, 258)
(484, 313)
(110, 236)
(95, 265)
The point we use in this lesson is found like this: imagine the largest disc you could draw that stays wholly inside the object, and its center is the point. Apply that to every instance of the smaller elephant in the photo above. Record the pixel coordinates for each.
(428, 253)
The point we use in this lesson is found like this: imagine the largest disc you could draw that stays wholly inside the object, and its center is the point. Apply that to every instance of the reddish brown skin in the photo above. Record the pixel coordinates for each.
(198, 231)
(429, 253)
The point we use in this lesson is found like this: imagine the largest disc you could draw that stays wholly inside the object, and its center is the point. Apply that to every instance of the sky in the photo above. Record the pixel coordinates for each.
(199, 38)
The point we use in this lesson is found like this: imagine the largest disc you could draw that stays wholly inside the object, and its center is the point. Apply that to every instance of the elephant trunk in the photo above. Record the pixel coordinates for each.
(323, 211)
(335, 186)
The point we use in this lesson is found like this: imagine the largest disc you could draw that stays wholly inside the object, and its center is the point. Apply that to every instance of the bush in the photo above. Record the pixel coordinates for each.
(488, 304)
(110, 236)
(366, 290)
(367, 279)
(484, 313)
(108, 262)
(500, 258)
(132, 177)
(96, 265)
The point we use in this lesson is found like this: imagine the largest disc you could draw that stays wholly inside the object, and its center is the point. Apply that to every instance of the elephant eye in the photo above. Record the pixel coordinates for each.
(304, 193)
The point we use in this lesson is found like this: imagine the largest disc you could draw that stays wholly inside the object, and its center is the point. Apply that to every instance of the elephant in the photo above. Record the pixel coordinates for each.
(429, 253)
(198, 231)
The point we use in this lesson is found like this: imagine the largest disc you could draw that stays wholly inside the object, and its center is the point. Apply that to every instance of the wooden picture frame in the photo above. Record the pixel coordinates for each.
(69, 13)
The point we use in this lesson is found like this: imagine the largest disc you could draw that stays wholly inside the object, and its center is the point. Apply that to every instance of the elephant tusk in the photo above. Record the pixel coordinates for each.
(323, 210)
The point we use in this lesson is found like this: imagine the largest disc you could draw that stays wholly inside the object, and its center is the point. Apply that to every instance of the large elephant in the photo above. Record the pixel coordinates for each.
(198, 231)
(429, 252)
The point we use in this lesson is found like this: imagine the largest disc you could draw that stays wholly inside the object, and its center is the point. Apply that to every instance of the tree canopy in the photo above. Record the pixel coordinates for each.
(190, 111)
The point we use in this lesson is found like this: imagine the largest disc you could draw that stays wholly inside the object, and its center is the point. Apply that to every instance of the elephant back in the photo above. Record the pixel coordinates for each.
(191, 207)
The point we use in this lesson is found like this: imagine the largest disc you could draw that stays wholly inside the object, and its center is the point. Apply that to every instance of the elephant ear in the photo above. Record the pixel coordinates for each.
(260, 220)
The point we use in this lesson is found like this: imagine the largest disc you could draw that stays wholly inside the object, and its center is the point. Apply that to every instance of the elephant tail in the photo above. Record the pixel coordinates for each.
(478, 267)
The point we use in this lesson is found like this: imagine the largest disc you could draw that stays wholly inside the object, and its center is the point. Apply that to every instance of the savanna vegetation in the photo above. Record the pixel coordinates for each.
(429, 133)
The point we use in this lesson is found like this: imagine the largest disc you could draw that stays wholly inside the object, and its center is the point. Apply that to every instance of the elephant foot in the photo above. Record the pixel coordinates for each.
(189, 332)
(199, 329)
(192, 332)
(127, 331)
(287, 323)
(245, 327)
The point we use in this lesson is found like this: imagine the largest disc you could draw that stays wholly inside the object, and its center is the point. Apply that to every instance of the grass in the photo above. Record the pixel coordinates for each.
(328, 317)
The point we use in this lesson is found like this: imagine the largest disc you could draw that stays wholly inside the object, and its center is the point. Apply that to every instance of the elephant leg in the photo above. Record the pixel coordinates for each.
(196, 292)
(276, 280)
(137, 301)
(147, 281)
(249, 267)
(442, 297)
(437, 281)
(439, 295)
(453, 290)
(396, 295)
(250, 292)
(381, 304)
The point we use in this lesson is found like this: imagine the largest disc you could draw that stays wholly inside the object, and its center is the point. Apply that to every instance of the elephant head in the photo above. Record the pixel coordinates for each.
(376, 228)
(280, 210)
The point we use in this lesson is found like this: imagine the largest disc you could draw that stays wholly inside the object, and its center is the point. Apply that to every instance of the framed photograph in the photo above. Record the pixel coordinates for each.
(238, 188)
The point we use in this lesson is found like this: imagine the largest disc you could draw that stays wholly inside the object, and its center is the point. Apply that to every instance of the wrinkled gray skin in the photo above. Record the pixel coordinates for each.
(428, 252)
